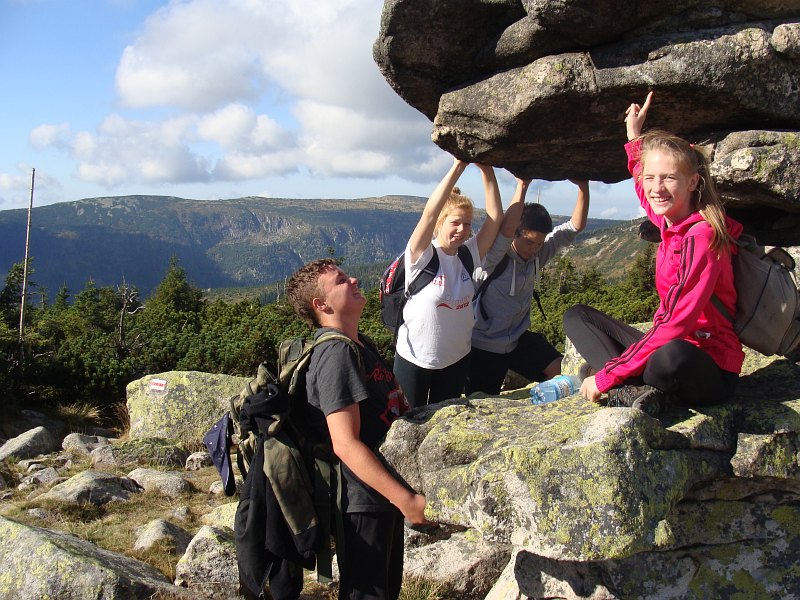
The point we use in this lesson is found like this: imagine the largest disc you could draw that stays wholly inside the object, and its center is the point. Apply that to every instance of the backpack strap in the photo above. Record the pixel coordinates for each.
(328, 477)
(714, 298)
(427, 275)
(465, 256)
(721, 307)
(419, 282)
(498, 270)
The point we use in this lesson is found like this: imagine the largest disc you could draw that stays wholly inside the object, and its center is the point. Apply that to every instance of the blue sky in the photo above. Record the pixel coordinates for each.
(212, 99)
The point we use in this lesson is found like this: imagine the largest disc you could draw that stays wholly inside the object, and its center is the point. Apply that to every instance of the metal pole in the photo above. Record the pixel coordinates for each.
(25, 276)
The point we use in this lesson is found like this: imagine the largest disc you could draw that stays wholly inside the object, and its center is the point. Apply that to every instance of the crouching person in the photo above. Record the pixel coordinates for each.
(356, 400)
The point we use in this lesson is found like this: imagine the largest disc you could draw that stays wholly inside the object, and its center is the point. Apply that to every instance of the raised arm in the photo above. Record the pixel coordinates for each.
(494, 210)
(422, 235)
(581, 211)
(635, 117)
(514, 211)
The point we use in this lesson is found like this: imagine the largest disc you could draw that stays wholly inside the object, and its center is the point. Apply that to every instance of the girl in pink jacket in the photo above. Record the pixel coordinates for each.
(691, 354)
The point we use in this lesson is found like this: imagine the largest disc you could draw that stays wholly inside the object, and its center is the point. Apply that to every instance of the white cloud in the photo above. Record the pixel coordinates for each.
(255, 166)
(124, 151)
(21, 182)
(610, 213)
(50, 135)
(238, 127)
(253, 89)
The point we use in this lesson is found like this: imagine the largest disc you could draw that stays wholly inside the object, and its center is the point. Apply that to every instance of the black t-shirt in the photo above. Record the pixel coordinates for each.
(334, 381)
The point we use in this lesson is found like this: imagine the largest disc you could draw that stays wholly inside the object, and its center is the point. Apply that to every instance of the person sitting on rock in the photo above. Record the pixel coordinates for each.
(500, 339)
(433, 342)
(691, 354)
(354, 401)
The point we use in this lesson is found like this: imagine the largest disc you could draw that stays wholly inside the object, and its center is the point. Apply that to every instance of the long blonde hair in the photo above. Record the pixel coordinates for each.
(705, 198)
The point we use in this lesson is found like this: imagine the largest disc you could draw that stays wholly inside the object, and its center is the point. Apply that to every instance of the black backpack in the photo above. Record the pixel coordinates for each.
(393, 294)
(498, 270)
(269, 432)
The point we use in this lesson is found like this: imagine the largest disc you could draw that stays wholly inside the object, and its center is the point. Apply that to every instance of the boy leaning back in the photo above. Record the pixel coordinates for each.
(356, 412)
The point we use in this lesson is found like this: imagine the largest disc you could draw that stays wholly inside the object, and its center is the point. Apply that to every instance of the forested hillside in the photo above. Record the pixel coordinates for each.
(221, 243)
(79, 352)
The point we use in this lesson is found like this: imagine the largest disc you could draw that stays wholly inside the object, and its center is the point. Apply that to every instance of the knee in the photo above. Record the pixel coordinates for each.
(553, 369)
(573, 316)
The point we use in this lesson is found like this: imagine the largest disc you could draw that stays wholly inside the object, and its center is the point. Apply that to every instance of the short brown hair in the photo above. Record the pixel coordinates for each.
(303, 286)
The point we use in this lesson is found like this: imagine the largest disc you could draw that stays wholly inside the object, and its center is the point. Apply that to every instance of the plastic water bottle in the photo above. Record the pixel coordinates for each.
(554, 389)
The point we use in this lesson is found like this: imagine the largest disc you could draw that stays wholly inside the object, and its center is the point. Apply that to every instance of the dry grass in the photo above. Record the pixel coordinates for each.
(112, 526)
(118, 415)
(419, 588)
(78, 414)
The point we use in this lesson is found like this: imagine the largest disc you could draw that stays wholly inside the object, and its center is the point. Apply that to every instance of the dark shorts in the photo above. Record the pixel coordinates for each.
(530, 358)
(373, 556)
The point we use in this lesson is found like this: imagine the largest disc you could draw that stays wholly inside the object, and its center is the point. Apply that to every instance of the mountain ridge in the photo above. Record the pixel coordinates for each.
(246, 241)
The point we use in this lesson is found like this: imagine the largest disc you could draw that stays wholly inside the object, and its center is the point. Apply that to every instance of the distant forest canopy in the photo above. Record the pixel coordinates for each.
(238, 243)
(83, 348)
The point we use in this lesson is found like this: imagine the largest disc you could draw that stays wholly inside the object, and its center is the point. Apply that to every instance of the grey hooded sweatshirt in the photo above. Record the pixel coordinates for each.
(507, 299)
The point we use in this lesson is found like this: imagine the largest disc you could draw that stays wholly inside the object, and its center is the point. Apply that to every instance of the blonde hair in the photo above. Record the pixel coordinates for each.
(705, 198)
(455, 201)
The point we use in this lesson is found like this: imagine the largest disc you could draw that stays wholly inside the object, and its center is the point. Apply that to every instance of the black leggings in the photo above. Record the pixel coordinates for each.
(423, 386)
(687, 374)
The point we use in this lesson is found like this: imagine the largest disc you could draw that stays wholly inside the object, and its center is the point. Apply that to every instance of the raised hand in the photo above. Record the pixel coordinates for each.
(635, 117)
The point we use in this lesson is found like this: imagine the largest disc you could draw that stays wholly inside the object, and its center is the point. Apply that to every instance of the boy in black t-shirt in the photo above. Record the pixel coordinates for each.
(358, 414)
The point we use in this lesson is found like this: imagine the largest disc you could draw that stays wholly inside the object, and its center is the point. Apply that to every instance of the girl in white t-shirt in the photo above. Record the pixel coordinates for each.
(433, 342)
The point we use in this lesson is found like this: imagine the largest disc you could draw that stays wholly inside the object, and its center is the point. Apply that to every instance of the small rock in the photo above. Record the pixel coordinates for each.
(92, 486)
(162, 532)
(169, 483)
(222, 516)
(31, 465)
(41, 477)
(103, 455)
(181, 513)
(29, 444)
(209, 558)
(218, 489)
(81, 444)
(39, 513)
(146, 451)
(198, 460)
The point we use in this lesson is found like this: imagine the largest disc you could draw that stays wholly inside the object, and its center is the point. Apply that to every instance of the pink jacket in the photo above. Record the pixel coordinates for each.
(687, 275)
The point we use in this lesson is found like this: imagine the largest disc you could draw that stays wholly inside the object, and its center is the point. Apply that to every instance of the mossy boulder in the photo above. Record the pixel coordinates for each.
(572, 482)
(179, 405)
(154, 451)
(40, 563)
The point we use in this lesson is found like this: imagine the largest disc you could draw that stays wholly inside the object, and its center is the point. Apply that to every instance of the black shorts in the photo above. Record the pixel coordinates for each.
(530, 358)
(373, 567)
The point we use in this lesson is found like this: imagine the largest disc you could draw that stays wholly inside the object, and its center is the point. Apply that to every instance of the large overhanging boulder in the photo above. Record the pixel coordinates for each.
(540, 87)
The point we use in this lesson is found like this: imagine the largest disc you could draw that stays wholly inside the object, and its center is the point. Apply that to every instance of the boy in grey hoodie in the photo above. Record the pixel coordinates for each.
(500, 339)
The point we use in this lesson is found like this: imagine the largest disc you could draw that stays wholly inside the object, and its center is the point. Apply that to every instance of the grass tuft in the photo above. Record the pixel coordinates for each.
(419, 588)
(78, 414)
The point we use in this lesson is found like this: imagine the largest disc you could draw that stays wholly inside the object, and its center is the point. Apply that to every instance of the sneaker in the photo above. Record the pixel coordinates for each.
(585, 370)
(644, 397)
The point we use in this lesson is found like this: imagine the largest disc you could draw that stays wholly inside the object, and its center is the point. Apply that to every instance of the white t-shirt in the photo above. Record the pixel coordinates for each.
(438, 319)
